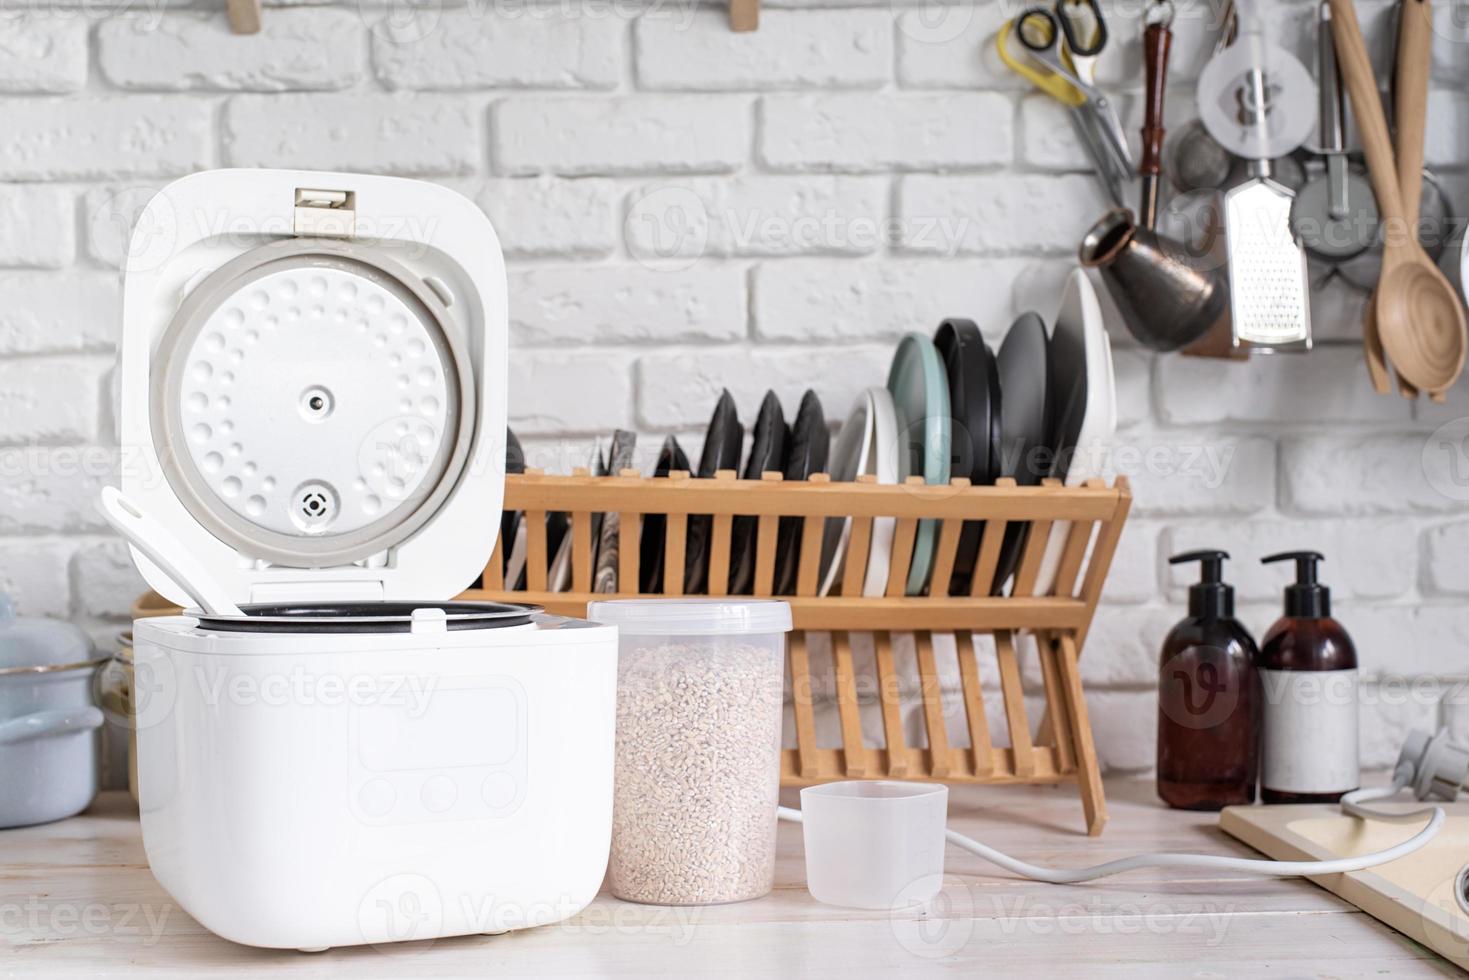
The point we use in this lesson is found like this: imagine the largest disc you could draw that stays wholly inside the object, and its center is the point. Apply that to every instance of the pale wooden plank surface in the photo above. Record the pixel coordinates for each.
(986, 923)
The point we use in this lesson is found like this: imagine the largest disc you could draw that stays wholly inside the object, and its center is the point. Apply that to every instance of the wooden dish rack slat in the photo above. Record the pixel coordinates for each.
(1087, 519)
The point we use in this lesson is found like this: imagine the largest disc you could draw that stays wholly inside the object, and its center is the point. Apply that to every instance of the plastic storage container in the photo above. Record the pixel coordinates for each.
(697, 777)
(874, 845)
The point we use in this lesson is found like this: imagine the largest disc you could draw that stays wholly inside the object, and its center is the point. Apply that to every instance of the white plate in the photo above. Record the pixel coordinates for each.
(888, 461)
(1081, 315)
(850, 456)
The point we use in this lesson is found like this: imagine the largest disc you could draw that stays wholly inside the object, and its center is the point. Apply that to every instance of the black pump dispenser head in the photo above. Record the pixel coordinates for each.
(1306, 598)
(1210, 598)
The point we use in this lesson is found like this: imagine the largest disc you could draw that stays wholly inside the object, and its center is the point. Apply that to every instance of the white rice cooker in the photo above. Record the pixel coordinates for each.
(313, 375)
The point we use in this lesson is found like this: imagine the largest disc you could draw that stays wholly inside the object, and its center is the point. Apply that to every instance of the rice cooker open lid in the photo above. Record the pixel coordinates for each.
(313, 367)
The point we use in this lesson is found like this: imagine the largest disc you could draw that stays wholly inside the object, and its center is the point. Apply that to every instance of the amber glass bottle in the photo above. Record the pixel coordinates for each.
(1308, 669)
(1208, 699)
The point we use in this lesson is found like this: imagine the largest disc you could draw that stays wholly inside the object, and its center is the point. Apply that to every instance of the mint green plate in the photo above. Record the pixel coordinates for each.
(920, 390)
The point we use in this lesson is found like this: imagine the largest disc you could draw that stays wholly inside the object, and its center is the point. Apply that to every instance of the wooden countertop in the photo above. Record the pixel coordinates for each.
(77, 899)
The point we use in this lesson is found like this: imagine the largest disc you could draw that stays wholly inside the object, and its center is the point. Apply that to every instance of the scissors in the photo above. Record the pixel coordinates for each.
(1067, 64)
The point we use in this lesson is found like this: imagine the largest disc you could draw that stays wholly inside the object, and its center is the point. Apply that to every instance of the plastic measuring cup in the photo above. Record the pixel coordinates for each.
(874, 844)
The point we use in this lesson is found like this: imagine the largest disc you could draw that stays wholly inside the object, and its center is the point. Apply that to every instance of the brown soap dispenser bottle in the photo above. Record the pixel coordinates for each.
(1308, 672)
(1208, 699)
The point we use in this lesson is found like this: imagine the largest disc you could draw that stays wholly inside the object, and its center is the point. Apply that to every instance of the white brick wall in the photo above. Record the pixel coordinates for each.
(686, 209)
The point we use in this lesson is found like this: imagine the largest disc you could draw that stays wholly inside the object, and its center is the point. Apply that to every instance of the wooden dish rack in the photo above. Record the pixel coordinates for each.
(1089, 520)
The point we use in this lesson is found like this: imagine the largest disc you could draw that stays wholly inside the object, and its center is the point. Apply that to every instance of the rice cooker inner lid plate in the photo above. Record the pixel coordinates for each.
(315, 403)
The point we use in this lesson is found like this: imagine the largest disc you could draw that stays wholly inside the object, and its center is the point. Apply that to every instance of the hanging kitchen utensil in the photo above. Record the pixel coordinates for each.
(1247, 106)
(1454, 263)
(1418, 315)
(1168, 298)
(1436, 218)
(1061, 63)
(1228, 25)
(1410, 179)
(1157, 39)
(1256, 98)
(1410, 110)
(1335, 214)
(1196, 160)
(1408, 95)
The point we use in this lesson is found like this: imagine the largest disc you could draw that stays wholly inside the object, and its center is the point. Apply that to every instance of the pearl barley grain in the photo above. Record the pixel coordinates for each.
(698, 770)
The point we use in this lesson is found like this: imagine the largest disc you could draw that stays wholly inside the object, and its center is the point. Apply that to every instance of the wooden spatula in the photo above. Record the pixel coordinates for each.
(1418, 315)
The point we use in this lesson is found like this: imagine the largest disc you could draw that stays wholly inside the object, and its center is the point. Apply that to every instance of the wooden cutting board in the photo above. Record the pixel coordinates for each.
(1414, 894)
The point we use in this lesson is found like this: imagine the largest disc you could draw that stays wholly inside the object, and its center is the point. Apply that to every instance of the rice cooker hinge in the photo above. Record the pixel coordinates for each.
(325, 213)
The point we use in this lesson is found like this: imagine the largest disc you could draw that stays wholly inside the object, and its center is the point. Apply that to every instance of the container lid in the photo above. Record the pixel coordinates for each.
(693, 617)
(28, 643)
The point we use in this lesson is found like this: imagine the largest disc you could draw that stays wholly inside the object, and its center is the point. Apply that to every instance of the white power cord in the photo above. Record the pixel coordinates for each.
(1351, 804)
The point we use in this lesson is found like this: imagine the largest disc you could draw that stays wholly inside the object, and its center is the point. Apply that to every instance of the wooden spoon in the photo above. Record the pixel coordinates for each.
(1410, 89)
(1418, 316)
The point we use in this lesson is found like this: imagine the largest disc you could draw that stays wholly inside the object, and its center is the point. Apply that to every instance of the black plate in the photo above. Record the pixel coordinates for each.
(1068, 396)
(810, 448)
(1026, 425)
(510, 519)
(619, 458)
(596, 466)
(723, 441)
(974, 411)
(768, 445)
(655, 526)
(393, 616)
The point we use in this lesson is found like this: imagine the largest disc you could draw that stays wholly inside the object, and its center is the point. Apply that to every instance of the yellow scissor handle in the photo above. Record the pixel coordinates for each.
(1046, 80)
